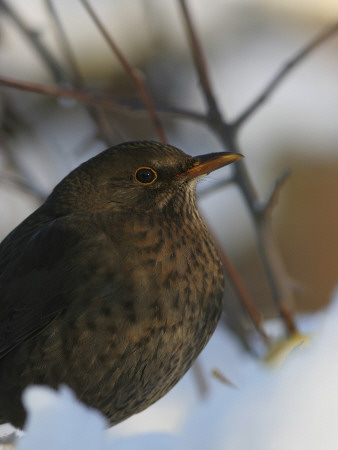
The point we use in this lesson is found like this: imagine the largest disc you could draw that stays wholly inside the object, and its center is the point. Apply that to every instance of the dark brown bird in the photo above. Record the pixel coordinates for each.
(113, 286)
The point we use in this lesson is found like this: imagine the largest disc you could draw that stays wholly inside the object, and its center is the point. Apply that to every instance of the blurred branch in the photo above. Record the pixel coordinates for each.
(214, 116)
(284, 71)
(131, 72)
(288, 318)
(200, 63)
(104, 127)
(274, 269)
(33, 39)
(80, 95)
(64, 44)
(58, 73)
(240, 289)
(244, 295)
(222, 378)
(102, 99)
(264, 207)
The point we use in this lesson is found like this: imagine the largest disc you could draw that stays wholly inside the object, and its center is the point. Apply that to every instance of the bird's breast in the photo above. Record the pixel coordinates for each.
(176, 277)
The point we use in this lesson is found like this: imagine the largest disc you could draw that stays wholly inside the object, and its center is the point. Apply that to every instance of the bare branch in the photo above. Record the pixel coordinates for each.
(64, 44)
(288, 318)
(244, 295)
(227, 132)
(240, 289)
(102, 99)
(265, 206)
(200, 62)
(131, 72)
(284, 71)
(104, 127)
(54, 91)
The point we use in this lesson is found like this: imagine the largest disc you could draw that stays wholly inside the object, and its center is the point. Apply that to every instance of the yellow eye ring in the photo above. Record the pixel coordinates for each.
(145, 175)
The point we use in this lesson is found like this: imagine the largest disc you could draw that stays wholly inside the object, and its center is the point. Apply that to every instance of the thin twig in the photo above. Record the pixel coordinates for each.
(34, 40)
(243, 294)
(265, 206)
(80, 95)
(284, 71)
(102, 99)
(288, 318)
(215, 117)
(222, 378)
(200, 62)
(131, 72)
(240, 289)
(104, 127)
(64, 44)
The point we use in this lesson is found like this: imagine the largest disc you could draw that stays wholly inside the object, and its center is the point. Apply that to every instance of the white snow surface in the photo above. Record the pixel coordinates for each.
(291, 407)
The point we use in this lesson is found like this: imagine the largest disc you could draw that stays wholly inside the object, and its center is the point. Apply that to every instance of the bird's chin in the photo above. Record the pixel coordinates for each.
(177, 199)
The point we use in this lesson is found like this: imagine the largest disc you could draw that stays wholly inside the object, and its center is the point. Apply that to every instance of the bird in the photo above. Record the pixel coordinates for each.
(113, 286)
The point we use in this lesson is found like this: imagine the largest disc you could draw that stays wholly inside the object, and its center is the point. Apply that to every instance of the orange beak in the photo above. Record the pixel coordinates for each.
(204, 164)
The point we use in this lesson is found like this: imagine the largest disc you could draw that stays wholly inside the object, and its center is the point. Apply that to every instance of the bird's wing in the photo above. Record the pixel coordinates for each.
(39, 276)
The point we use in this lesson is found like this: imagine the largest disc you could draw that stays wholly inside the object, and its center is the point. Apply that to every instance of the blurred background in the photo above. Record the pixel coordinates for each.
(246, 43)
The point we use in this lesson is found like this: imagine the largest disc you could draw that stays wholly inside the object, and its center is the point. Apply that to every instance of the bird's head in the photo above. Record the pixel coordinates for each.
(135, 176)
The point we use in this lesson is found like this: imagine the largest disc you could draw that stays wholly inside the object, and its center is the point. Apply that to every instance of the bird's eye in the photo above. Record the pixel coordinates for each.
(145, 175)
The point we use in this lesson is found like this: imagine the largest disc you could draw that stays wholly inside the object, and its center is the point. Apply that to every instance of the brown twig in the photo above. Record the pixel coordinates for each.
(244, 295)
(80, 95)
(288, 318)
(241, 290)
(214, 116)
(131, 72)
(264, 207)
(200, 62)
(284, 71)
(104, 127)
(104, 100)
(222, 378)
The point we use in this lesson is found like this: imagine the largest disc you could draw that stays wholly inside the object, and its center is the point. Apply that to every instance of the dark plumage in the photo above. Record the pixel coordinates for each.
(113, 285)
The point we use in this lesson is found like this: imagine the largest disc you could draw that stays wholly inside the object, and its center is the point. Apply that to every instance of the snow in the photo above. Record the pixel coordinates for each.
(294, 406)
(58, 421)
